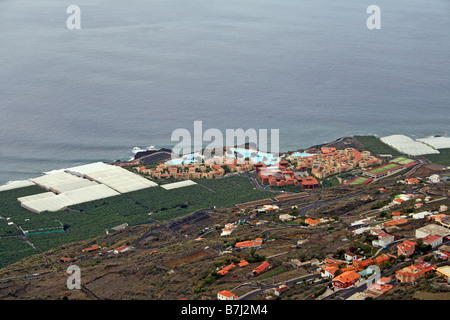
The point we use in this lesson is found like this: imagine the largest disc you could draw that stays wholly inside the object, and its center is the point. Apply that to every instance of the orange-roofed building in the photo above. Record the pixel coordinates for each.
(346, 279)
(312, 222)
(309, 183)
(261, 268)
(226, 269)
(249, 244)
(91, 248)
(332, 263)
(406, 248)
(412, 180)
(382, 259)
(395, 222)
(329, 272)
(362, 264)
(226, 295)
(414, 272)
(351, 268)
(378, 289)
(243, 263)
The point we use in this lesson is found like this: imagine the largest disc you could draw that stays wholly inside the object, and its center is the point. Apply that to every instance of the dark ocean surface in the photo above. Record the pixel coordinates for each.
(137, 70)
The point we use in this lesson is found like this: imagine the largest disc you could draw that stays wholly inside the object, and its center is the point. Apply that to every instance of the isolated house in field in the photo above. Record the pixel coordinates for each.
(261, 268)
(249, 244)
(121, 249)
(92, 248)
(226, 295)
(226, 269)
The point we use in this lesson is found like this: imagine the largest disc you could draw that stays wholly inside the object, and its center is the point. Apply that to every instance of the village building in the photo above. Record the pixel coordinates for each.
(384, 239)
(407, 248)
(432, 240)
(261, 268)
(226, 295)
(414, 272)
(346, 279)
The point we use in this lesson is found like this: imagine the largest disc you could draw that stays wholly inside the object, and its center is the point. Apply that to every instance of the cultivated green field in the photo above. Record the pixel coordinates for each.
(376, 146)
(383, 168)
(91, 219)
(359, 180)
(443, 158)
(402, 160)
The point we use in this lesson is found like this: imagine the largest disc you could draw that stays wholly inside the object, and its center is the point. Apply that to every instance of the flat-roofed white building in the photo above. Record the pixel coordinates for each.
(115, 177)
(408, 146)
(61, 182)
(52, 202)
(179, 184)
(82, 184)
(16, 185)
(432, 229)
(436, 142)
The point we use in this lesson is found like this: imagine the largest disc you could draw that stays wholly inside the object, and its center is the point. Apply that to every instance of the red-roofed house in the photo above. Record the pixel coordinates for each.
(226, 269)
(346, 279)
(261, 268)
(121, 249)
(406, 248)
(243, 263)
(432, 240)
(91, 248)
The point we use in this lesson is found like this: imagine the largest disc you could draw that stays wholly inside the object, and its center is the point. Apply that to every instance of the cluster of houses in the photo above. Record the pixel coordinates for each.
(281, 175)
(194, 170)
(331, 161)
(95, 248)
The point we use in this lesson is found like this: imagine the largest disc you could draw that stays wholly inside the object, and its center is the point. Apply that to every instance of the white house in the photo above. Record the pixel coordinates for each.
(329, 272)
(434, 178)
(432, 240)
(349, 256)
(421, 215)
(286, 217)
(361, 230)
(384, 239)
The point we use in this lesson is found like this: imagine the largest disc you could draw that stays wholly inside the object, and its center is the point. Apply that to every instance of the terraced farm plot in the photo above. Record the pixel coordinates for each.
(187, 258)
